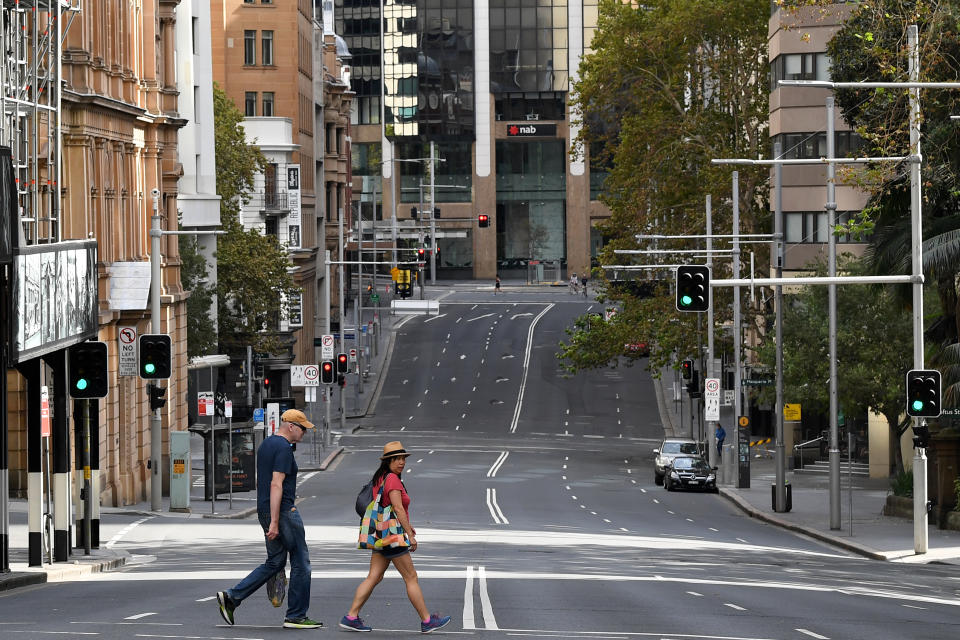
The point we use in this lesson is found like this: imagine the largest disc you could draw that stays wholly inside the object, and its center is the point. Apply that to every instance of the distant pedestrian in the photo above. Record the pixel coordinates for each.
(496, 285)
(574, 283)
(282, 526)
(720, 435)
(394, 493)
(583, 283)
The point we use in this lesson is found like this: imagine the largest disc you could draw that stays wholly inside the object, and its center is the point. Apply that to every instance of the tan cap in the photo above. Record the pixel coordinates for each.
(296, 416)
(393, 450)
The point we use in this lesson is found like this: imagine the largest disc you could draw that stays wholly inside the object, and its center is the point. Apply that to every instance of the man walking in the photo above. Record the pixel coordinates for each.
(720, 435)
(282, 526)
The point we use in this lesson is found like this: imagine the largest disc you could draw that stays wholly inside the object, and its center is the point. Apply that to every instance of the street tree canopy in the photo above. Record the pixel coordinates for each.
(668, 86)
(253, 280)
(872, 45)
(874, 337)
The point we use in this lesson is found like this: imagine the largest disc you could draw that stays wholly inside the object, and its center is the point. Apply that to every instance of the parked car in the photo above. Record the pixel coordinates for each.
(668, 450)
(690, 472)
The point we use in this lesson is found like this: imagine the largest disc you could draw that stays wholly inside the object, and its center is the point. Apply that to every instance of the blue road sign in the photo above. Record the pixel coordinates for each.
(258, 414)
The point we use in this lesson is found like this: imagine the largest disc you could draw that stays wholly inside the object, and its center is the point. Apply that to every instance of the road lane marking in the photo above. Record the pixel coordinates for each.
(812, 634)
(205, 599)
(495, 512)
(910, 606)
(712, 529)
(694, 593)
(526, 368)
(733, 606)
(492, 472)
(468, 621)
(442, 315)
(486, 315)
(141, 615)
(127, 529)
(742, 540)
(488, 620)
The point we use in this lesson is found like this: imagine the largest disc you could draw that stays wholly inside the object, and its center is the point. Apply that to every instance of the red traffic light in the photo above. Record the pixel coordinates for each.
(326, 372)
(420, 252)
(483, 220)
(266, 382)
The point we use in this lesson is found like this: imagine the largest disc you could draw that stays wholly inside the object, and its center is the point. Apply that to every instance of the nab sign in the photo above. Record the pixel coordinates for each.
(531, 130)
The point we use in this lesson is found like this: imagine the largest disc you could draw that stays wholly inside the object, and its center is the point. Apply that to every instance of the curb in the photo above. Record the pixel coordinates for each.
(753, 512)
(664, 414)
(17, 580)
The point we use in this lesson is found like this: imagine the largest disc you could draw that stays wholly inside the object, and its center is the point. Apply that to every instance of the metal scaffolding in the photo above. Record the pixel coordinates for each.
(32, 34)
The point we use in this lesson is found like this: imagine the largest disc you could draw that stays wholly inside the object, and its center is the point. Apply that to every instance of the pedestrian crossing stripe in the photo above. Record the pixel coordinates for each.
(759, 442)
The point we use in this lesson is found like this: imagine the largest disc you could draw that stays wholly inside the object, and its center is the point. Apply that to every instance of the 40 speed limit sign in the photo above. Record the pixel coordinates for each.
(711, 399)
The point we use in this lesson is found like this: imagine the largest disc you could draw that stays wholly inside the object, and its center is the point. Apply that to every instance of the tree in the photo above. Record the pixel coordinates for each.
(253, 276)
(201, 332)
(874, 351)
(872, 45)
(670, 85)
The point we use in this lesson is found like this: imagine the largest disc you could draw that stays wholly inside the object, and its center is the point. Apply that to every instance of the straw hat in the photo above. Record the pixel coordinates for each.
(393, 450)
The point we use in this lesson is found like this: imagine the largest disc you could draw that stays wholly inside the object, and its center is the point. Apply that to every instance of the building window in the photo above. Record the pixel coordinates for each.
(810, 227)
(270, 226)
(799, 66)
(249, 48)
(814, 145)
(266, 38)
(250, 104)
(267, 103)
(195, 34)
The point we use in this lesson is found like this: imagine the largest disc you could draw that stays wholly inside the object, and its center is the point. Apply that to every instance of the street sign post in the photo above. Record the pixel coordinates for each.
(205, 403)
(127, 349)
(711, 397)
(326, 346)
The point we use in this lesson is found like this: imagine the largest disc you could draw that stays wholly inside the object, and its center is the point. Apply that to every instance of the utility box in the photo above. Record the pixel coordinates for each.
(180, 471)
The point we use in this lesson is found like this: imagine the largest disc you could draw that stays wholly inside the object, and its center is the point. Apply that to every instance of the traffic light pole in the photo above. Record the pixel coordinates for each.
(87, 488)
(831, 211)
(433, 219)
(156, 435)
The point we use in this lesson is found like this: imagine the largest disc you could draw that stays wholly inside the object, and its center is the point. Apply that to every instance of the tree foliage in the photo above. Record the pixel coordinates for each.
(669, 86)
(872, 45)
(874, 337)
(201, 331)
(253, 276)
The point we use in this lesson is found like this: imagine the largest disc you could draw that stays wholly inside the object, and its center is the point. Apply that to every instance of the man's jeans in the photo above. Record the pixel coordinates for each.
(292, 540)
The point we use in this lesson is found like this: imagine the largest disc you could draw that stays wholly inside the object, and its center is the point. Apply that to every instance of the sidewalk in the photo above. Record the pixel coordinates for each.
(864, 529)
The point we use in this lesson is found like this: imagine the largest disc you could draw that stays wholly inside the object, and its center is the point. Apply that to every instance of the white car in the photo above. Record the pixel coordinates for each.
(669, 449)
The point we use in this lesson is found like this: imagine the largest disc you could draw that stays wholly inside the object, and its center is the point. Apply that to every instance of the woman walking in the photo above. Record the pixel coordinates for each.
(387, 478)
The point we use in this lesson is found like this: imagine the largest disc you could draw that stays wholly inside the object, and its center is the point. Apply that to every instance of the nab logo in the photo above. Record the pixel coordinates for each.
(531, 130)
(522, 130)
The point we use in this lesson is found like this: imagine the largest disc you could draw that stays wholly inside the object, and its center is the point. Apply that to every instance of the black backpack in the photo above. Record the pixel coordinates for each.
(364, 498)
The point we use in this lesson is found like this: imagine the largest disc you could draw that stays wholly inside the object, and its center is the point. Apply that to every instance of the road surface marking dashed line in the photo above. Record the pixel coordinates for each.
(813, 635)
(733, 606)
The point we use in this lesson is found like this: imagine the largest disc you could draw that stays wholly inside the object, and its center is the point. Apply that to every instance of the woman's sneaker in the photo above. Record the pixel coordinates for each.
(302, 623)
(353, 625)
(435, 622)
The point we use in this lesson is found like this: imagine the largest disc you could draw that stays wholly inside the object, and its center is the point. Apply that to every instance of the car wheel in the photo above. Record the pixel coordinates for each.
(657, 480)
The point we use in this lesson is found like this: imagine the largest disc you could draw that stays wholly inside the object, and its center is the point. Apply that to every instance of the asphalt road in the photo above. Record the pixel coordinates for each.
(536, 511)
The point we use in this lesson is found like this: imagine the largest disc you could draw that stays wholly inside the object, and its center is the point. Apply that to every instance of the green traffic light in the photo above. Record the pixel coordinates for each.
(686, 301)
(81, 384)
(918, 405)
(150, 367)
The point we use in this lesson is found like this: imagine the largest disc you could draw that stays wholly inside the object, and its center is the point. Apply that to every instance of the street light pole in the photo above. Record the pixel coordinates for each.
(831, 212)
(433, 223)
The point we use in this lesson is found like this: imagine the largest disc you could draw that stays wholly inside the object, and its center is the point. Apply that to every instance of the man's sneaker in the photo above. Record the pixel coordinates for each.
(227, 605)
(302, 623)
(353, 625)
(436, 622)
(277, 588)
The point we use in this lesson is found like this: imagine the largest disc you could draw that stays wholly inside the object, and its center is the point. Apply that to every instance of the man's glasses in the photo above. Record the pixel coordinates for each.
(303, 428)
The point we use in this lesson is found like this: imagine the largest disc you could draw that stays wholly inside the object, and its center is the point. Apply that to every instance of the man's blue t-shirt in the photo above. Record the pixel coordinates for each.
(276, 454)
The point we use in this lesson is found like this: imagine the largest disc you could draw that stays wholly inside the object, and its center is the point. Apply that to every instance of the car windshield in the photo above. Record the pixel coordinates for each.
(691, 464)
(679, 447)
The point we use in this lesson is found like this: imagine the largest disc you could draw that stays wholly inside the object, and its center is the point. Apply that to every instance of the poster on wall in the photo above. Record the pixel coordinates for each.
(293, 198)
(54, 297)
(291, 317)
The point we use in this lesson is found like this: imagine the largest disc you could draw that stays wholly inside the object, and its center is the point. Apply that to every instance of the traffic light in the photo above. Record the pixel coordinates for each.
(921, 437)
(686, 368)
(693, 387)
(483, 220)
(153, 356)
(341, 380)
(421, 253)
(923, 393)
(88, 370)
(326, 372)
(156, 393)
(414, 213)
(341, 363)
(693, 288)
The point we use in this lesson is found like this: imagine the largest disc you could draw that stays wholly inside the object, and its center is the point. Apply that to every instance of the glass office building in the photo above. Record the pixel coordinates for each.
(487, 82)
